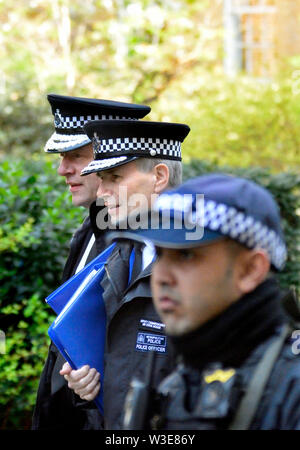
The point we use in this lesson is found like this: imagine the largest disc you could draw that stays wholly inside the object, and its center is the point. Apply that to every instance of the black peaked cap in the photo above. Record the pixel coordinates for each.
(118, 142)
(81, 105)
(71, 113)
(110, 129)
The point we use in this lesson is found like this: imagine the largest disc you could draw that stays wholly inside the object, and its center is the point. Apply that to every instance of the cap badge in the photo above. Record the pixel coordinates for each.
(57, 118)
(96, 144)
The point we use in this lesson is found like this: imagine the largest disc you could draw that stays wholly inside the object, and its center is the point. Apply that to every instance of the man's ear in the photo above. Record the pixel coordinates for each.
(161, 172)
(253, 267)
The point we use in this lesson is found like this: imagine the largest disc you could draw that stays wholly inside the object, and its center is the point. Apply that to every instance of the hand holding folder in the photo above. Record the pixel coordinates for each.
(80, 328)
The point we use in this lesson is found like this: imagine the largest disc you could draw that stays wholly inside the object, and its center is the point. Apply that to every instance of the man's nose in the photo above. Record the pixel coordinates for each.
(163, 273)
(100, 190)
(65, 167)
(103, 190)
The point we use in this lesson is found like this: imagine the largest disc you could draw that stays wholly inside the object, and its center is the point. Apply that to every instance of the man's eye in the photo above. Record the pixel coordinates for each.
(158, 252)
(176, 255)
(185, 254)
(72, 156)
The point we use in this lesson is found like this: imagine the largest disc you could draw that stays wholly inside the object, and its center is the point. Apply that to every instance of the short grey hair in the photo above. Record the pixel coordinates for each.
(175, 168)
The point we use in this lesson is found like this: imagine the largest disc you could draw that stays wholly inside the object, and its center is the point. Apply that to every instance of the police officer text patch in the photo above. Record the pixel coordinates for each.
(147, 342)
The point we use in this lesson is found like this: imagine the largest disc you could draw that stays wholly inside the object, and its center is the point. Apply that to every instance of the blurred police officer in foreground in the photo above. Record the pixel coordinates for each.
(136, 161)
(57, 407)
(221, 304)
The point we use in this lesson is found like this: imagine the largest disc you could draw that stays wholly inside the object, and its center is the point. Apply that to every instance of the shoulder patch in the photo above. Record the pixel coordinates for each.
(152, 325)
(146, 342)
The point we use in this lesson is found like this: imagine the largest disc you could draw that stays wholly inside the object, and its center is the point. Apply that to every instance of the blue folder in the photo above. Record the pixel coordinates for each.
(79, 330)
(58, 298)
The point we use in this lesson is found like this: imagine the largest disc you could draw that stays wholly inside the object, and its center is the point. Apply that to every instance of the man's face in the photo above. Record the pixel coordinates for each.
(125, 189)
(83, 189)
(191, 286)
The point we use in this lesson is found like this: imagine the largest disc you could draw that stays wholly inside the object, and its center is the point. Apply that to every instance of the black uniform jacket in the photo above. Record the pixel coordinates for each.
(57, 406)
(219, 360)
(279, 408)
(133, 330)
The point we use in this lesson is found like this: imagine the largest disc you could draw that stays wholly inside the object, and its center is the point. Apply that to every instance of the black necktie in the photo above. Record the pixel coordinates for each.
(138, 259)
(93, 253)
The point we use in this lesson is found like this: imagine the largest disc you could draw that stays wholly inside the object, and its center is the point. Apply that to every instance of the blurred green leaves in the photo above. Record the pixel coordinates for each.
(167, 54)
(34, 236)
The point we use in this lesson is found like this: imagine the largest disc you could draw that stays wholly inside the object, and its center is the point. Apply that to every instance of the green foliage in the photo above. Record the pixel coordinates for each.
(34, 238)
(167, 54)
(239, 122)
(11, 241)
(25, 122)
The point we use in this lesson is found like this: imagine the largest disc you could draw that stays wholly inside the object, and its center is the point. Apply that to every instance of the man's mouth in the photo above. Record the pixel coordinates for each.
(167, 304)
(111, 207)
(74, 186)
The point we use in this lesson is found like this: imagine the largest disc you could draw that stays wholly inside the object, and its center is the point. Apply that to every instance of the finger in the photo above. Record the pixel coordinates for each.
(66, 369)
(89, 388)
(77, 375)
(92, 395)
(83, 382)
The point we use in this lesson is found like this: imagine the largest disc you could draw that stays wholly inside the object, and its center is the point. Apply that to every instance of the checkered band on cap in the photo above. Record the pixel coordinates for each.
(143, 146)
(238, 226)
(74, 122)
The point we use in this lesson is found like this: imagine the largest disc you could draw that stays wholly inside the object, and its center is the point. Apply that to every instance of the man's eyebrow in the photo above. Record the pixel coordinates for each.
(112, 171)
(106, 172)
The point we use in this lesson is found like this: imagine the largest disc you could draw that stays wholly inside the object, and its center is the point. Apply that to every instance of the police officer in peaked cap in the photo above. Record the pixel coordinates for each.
(136, 161)
(56, 406)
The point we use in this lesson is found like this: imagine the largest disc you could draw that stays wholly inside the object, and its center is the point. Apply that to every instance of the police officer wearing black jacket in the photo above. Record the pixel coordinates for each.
(214, 287)
(56, 406)
(136, 161)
